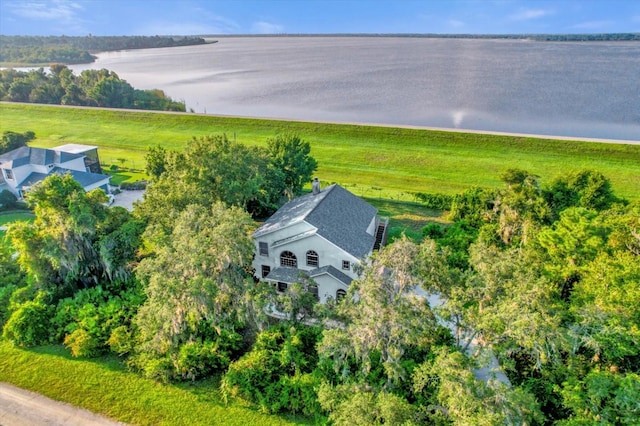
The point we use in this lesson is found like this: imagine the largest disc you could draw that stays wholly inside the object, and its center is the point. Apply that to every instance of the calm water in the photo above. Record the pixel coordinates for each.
(569, 89)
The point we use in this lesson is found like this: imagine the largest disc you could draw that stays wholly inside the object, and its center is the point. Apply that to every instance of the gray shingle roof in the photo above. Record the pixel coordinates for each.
(340, 217)
(38, 156)
(83, 178)
(286, 275)
(292, 275)
(339, 275)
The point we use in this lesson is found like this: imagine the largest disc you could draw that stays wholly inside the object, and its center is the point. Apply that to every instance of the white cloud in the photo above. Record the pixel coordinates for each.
(263, 27)
(55, 10)
(454, 23)
(208, 23)
(592, 25)
(528, 14)
(177, 28)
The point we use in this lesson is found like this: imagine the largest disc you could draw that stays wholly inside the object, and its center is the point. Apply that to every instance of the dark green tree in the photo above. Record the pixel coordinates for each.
(156, 160)
(197, 283)
(588, 188)
(13, 140)
(291, 155)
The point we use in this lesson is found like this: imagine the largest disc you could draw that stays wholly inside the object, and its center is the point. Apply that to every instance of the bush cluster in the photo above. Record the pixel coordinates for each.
(133, 186)
(435, 201)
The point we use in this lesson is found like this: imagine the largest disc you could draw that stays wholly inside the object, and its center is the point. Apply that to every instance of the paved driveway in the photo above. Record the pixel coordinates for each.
(126, 198)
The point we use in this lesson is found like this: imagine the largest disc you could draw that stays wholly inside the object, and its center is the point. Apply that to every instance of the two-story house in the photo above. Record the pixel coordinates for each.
(323, 235)
(22, 168)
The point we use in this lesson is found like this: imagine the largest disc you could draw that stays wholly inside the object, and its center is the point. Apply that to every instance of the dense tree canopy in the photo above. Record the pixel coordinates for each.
(13, 140)
(38, 50)
(60, 86)
(535, 291)
(70, 245)
(215, 168)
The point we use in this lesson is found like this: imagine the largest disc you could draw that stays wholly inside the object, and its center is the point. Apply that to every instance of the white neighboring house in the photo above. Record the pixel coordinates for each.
(22, 168)
(322, 235)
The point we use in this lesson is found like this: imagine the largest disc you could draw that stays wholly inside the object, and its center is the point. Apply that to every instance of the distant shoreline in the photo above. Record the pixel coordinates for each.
(586, 37)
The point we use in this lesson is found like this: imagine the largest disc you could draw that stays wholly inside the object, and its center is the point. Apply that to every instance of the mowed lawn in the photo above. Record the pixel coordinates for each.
(376, 162)
(15, 215)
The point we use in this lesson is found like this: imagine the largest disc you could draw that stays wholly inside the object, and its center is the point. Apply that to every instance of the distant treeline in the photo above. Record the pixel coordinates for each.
(100, 88)
(534, 37)
(76, 50)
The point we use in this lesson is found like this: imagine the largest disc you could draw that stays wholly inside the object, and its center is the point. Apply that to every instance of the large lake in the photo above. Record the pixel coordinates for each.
(578, 89)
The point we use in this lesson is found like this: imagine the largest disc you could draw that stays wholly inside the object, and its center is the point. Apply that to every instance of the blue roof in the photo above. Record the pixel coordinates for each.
(339, 216)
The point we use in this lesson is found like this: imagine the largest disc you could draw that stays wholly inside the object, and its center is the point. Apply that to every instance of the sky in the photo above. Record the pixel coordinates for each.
(209, 17)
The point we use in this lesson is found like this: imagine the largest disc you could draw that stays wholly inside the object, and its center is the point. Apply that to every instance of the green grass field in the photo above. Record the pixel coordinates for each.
(14, 215)
(363, 158)
(105, 386)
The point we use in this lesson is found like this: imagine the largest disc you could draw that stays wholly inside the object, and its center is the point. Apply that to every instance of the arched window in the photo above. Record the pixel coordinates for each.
(340, 294)
(288, 259)
(312, 258)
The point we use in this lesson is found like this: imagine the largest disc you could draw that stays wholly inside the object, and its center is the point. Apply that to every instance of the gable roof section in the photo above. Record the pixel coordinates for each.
(339, 216)
(292, 275)
(335, 273)
(37, 156)
(83, 178)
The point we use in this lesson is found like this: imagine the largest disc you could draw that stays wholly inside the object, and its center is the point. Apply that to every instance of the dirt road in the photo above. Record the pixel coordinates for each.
(19, 407)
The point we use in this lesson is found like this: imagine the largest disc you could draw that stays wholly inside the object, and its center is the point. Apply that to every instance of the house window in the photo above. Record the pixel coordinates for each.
(288, 259)
(282, 287)
(312, 258)
(264, 248)
(346, 265)
(340, 294)
(265, 270)
(8, 174)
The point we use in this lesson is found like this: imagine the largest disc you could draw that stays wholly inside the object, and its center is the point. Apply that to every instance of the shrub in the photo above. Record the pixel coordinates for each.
(29, 324)
(133, 186)
(88, 321)
(276, 373)
(188, 360)
(196, 359)
(82, 344)
(434, 201)
(121, 340)
(7, 200)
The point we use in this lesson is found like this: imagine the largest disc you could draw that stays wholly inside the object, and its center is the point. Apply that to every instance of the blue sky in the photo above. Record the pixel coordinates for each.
(181, 17)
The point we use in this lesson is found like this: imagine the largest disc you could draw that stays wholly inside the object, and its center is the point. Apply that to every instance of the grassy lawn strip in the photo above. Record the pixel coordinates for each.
(104, 386)
(14, 215)
(363, 158)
